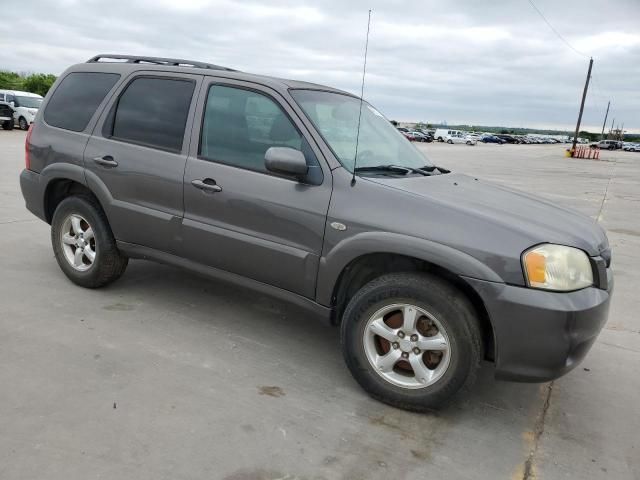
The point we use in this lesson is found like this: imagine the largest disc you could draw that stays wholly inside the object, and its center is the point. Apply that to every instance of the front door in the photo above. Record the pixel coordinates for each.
(238, 216)
(137, 154)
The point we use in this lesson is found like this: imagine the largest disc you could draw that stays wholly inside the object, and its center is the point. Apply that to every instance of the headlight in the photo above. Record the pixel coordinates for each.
(557, 267)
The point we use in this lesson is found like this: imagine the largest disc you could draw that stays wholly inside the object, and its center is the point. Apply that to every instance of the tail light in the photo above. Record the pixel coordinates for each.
(27, 159)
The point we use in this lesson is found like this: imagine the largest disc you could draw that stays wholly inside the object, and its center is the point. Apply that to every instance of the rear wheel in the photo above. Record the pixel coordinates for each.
(22, 122)
(411, 340)
(83, 244)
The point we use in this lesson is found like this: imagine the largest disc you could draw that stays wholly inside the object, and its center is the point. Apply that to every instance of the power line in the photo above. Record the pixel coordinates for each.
(556, 32)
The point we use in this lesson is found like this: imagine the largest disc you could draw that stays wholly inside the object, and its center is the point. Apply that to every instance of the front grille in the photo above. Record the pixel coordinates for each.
(5, 111)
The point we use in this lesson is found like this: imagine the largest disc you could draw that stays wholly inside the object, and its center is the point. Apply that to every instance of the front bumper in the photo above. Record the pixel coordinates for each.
(540, 335)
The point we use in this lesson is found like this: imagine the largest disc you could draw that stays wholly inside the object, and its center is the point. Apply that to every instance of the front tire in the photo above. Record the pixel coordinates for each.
(411, 340)
(8, 125)
(83, 243)
(450, 142)
(22, 122)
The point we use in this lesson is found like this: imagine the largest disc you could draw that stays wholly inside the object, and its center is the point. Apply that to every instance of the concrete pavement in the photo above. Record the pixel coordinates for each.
(167, 375)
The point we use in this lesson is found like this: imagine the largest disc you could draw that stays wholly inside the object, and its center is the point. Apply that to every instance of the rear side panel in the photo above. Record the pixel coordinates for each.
(51, 145)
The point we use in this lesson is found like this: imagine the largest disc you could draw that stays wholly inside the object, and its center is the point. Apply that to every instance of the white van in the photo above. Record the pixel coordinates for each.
(25, 104)
(444, 134)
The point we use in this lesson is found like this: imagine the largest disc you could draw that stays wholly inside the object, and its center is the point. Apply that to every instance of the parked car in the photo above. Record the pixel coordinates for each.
(236, 176)
(6, 116)
(426, 133)
(460, 138)
(606, 144)
(24, 104)
(443, 134)
(491, 139)
(420, 137)
(632, 147)
(414, 137)
(507, 138)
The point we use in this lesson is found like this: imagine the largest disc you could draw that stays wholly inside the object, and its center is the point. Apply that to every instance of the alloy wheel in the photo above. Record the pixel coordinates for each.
(407, 346)
(78, 242)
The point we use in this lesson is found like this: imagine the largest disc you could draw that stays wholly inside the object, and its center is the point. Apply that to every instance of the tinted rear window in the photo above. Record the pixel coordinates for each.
(153, 112)
(76, 99)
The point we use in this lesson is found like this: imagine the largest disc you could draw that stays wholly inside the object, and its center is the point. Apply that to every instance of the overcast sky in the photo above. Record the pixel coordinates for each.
(489, 62)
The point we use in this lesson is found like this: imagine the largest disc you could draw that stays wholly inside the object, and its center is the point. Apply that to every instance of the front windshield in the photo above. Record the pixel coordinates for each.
(335, 116)
(29, 102)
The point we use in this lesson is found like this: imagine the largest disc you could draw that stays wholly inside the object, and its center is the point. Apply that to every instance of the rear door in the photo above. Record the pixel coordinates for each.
(136, 156)
(253, 223)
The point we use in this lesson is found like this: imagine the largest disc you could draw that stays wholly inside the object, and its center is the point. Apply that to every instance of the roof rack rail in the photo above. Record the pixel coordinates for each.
(173, 62)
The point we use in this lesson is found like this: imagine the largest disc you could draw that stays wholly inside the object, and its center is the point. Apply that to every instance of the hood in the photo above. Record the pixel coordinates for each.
(532, 218)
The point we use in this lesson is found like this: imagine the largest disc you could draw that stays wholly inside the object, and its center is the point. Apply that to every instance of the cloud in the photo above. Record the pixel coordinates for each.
(472, 62)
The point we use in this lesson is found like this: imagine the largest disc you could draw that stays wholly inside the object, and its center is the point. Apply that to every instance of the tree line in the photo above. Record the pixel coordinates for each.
(39, 83)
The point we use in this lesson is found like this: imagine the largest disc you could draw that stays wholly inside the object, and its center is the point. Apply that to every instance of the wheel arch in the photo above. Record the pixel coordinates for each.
(58, 189)
(444, 262)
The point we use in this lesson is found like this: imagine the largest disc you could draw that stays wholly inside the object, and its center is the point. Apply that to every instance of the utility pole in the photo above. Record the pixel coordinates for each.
(622, 132)
(605, 120)
(584, 96)
(611, 129)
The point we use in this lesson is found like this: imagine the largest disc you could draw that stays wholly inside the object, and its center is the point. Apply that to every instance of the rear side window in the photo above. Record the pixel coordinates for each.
(153, 112)
(77, 98)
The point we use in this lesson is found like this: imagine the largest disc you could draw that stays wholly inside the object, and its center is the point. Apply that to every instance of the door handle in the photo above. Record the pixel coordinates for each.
(207, 185)
(106, 161)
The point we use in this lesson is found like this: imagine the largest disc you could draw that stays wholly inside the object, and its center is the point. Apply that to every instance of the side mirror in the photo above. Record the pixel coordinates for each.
(13, 104)
(286, 161)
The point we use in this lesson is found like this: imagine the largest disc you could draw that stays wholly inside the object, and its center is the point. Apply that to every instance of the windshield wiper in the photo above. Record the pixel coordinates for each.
(394, 168)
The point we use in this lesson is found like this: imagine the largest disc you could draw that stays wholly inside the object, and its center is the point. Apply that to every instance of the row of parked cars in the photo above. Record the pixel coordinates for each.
(616, 145)
(460, 136)
(18, 108)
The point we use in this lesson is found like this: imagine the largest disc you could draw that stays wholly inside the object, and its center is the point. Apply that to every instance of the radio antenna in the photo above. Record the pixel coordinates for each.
(364, 72)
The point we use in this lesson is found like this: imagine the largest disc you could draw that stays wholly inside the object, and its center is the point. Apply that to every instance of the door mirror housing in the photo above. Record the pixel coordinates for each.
(286, 161)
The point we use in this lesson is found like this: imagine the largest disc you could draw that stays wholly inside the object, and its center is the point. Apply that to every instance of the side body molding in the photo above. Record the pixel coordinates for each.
(333, 261)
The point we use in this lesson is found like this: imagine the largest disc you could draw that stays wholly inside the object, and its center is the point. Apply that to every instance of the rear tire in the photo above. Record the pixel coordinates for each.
(421, 382)
(83, 243)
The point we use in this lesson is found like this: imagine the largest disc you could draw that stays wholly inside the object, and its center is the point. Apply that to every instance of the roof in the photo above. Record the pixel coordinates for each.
(20, 93)
(126, 63)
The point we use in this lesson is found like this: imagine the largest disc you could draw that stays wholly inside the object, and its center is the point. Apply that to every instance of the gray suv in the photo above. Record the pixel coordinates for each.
(304, 192)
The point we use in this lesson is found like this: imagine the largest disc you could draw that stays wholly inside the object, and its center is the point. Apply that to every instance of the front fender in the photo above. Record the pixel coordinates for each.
(334, 261)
